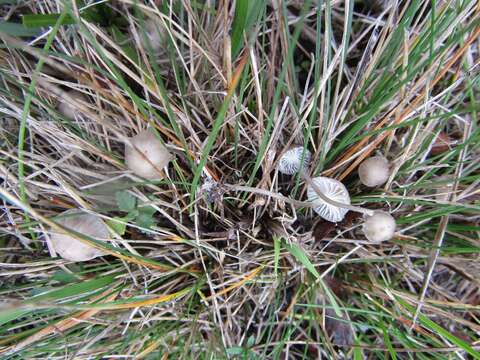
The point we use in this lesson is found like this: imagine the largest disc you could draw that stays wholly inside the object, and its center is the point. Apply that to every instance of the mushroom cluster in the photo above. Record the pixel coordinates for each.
(145, 155)
(330, 198)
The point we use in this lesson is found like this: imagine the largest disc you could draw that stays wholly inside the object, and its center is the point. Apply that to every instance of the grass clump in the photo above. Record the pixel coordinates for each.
(222, 256)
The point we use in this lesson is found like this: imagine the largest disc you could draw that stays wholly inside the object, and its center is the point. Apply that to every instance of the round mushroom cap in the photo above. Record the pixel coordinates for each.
(334, 190)
(379, 227)
(374, 171)
(67, 108)
(148, 156)
(72, 249)
(291, 161)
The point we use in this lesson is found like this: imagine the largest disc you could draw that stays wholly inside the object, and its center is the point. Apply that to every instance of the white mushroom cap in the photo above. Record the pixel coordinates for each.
(334, 190)
(291, 161)
(148, 156)
(374, 171)
(72, 249)
(69, 109)
(379, 227)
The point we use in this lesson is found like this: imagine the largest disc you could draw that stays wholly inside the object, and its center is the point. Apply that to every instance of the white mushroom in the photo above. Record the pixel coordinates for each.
(293, 160)
(374, 171)
(379, 227)
(335, 191)
(68, 108)
(67, 246)
(147, 156)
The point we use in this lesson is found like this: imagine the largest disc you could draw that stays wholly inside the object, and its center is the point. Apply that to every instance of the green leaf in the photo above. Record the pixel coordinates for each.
(64, 277)
(302, 258)
(16, 29)
(239, 23)
(43, 20)
(66, 291)
(439, 330)
(235, 350)
(447, 335)
(125, 201)
(145, 217)
(276, 254)
(357, 354)
(246, 14)
(119, 224)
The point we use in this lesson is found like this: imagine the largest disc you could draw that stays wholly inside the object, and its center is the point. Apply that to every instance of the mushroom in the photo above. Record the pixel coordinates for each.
(152, 37)
(146, 156)
(330, 197)
(374, 171)
(67, 108)
(69, 247)
(335, 192)
(293, 160)
(379, 227)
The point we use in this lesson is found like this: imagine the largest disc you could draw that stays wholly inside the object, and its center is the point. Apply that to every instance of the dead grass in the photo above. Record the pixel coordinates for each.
(236, 264)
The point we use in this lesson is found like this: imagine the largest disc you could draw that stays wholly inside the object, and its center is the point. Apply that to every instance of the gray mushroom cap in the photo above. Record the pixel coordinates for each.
(379, 227)
(67, 246)
(147, 156)
(374, 171)
(293, 160)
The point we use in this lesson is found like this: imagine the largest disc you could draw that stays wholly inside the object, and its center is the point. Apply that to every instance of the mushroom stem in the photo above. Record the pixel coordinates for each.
(322, 196)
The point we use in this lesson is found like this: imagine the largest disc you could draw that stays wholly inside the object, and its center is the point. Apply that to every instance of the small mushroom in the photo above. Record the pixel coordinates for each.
(146, 156)
(293, 160)
(379, 227)
(335, 191)
(69, 247)
(68, 108)
(374, 171)
(154, 36)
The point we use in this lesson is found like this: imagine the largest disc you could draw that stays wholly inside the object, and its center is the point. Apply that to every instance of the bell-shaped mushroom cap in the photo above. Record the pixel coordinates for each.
(374, 171)
(67, 108)
(291, 161)
(148, 156)
(334, 190)
(69, 247)
(379, 227)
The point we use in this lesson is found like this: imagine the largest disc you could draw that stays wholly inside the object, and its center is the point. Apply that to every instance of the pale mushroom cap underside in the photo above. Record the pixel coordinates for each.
(334, 190)
(374, 171)
(379, 227)
(68, 247)
(148, 156)
(291, 161)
